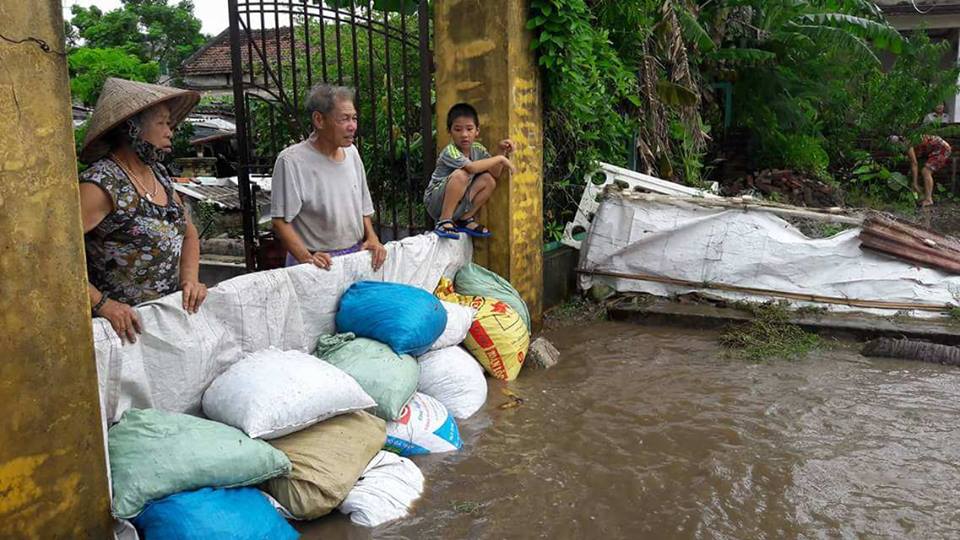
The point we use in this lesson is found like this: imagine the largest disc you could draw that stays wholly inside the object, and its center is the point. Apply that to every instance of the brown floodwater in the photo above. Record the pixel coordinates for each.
(645, 432)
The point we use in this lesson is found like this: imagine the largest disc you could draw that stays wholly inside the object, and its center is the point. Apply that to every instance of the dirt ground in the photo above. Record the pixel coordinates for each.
(943, 217)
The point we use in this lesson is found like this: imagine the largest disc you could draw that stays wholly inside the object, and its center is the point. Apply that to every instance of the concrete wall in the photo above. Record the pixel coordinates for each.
(559, 275)
(482, 56)
(53, 481)
(208, 82)
(931, 22)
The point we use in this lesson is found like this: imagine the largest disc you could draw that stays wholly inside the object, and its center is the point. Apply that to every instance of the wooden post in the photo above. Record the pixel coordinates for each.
(53, 478)
(483, 57)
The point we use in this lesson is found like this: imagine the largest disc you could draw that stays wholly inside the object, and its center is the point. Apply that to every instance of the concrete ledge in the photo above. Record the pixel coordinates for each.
(857, 326)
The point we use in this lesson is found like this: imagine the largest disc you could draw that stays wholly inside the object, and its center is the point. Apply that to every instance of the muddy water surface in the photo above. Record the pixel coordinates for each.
(647, 432)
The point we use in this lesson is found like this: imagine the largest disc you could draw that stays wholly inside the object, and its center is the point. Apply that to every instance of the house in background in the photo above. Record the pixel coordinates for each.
(940, 19)
(209, 70)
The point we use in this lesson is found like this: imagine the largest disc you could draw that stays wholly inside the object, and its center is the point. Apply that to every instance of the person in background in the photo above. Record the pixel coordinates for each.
(465, 176)
(938, 116)
(936, 151)
(140, 241)
(320, 202)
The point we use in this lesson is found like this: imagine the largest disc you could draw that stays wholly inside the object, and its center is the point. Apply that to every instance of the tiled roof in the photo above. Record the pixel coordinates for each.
(214, 57)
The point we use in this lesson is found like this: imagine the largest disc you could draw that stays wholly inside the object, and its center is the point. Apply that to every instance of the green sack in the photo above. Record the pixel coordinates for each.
(155, 453)
(475, 280)
(388, 378)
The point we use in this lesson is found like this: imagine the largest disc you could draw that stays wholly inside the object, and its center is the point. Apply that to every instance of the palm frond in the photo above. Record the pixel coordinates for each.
(841, 39)
(693, 31)
(676, 95)
(742, 55)
(882, 35)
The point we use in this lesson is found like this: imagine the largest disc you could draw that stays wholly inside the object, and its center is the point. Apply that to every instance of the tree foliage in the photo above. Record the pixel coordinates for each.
(157, 31)
(90, 67)
(808, 83)
(589, 91)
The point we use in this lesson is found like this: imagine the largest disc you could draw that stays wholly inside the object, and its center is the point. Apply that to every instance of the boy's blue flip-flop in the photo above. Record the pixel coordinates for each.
(477, 231)
(443, 231)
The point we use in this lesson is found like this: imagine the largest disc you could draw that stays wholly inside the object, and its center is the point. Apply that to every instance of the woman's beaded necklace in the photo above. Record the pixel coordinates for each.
(149, 194)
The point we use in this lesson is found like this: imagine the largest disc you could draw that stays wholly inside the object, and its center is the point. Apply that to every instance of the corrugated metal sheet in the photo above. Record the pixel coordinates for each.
(227, 197)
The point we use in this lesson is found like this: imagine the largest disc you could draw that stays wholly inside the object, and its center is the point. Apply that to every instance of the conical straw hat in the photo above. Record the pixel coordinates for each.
(122, 99)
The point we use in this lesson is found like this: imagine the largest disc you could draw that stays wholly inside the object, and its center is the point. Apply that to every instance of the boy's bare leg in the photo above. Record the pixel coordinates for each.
(927, 186)
(453, 193)
(483, 186)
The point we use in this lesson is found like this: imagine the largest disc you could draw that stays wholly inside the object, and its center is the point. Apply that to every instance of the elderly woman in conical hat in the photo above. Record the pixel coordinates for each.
(140, 242)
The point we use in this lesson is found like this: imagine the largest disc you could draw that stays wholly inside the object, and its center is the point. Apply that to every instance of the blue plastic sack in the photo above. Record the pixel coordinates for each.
(406, 318)
(213, 514)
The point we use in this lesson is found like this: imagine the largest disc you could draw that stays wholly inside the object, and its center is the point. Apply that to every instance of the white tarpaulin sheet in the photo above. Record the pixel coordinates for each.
(178, 355)
(754, 248)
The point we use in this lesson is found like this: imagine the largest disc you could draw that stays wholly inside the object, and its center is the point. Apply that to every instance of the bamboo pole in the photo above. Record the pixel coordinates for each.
(833, 215)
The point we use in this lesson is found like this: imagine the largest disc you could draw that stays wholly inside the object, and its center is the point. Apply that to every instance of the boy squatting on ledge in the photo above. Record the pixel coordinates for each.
(465, 176)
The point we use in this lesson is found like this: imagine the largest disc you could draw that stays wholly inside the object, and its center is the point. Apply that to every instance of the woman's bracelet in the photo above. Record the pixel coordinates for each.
(103, 300)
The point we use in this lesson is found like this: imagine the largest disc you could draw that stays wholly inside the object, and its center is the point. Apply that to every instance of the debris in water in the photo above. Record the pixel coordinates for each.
(515, 400)
(467, 507)
(542, 354)
(913, 350)
(769, 335)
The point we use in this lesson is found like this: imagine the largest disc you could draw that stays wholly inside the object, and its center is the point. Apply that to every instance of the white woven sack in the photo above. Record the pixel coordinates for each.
(459, 319)
(453, 377)
(386, 491)
(272, 393)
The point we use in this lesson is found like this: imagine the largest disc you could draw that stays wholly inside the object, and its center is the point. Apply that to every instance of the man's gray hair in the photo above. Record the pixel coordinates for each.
(323, 97)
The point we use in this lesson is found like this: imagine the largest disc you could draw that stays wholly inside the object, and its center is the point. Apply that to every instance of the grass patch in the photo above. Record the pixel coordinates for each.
(579, 308)
(569, 309)
(811, 311)
(467, 507)
(769, 335)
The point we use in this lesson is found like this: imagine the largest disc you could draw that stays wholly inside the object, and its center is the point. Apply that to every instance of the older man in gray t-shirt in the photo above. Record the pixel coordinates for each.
(320, 202)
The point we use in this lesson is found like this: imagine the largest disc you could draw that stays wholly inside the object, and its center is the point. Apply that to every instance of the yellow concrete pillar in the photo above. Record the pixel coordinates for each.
(53, 481)
(483, 57)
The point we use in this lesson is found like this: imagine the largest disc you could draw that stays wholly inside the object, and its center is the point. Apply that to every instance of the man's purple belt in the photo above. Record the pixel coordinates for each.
(335, 253)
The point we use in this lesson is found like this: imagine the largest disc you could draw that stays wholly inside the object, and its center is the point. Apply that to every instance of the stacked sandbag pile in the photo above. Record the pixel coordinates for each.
(394, 320)
(489, 319)
(179, 476)
(311, 430)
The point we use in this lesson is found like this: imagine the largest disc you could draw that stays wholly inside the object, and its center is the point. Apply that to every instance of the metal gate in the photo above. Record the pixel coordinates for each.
(280, 49)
